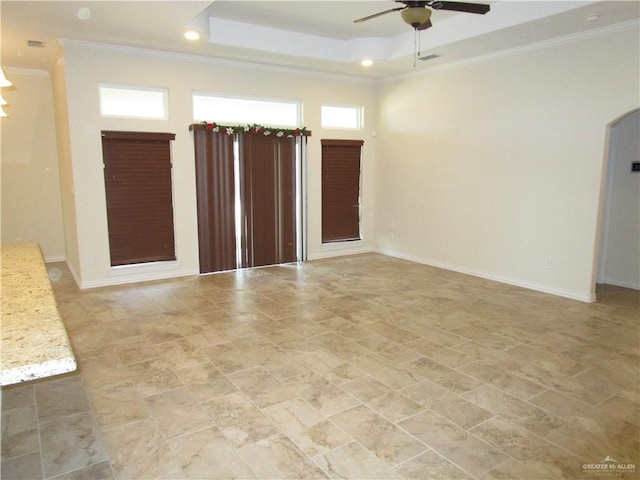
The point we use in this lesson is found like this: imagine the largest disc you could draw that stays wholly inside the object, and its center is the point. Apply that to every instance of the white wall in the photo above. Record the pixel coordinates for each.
(495, 168)
(31, 202)
(85, 66)
(620, 257)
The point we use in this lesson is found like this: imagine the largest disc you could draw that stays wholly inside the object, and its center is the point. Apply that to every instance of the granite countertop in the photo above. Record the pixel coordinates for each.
(33, 340)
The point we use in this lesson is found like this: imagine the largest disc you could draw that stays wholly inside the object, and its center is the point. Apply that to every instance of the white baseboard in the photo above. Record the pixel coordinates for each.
(339, 252)
(621, 283)
(55, 259)
(589, 298)
(139, 273)
(163, 273)
(74, 274)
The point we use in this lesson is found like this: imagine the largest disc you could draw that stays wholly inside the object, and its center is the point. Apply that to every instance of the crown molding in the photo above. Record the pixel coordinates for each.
(33, 72)
(305, 72)
(216, 61)
(509, 52)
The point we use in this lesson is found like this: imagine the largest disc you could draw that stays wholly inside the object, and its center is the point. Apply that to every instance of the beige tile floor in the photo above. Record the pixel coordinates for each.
(359, 367)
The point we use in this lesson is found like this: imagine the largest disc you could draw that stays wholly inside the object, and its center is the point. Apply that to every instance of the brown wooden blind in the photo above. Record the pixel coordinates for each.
(341, 190)
(137, 174)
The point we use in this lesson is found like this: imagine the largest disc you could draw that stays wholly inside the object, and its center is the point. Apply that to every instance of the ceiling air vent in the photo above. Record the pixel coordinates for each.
(35, 43)
(429, 57)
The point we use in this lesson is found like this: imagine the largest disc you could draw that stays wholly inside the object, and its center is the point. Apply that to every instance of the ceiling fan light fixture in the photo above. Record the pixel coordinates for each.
(415, 16)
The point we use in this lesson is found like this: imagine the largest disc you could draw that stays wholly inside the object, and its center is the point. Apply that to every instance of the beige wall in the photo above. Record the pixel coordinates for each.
(86, 66)
(65, 165)
(31, 205)
(495, 168)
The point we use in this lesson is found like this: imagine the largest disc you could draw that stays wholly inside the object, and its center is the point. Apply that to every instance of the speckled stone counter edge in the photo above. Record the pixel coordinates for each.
(33, 340)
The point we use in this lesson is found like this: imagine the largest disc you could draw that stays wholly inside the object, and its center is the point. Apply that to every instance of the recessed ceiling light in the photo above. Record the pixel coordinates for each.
(593, 18)
(191, 35)
(366, 62)
(83, 13)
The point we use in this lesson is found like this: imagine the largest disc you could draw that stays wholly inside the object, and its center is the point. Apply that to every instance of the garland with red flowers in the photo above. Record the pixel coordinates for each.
(255, 129)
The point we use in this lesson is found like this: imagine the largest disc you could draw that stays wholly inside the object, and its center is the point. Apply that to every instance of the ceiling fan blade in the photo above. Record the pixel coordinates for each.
(375, 15)
(478, 8)
(425, 25)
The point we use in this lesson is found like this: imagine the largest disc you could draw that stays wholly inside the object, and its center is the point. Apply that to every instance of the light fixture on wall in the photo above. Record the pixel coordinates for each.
(3, 83)
(3, 80)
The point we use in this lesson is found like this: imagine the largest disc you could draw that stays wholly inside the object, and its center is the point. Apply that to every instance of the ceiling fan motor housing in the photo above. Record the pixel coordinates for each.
(416, 13)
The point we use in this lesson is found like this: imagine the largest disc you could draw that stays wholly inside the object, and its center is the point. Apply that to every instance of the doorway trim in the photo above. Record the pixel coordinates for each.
(606, 196)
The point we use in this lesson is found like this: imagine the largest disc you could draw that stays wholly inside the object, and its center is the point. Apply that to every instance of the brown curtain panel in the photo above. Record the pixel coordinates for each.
(341, 190)
(268, 199)
(137, 175)
(215, 189)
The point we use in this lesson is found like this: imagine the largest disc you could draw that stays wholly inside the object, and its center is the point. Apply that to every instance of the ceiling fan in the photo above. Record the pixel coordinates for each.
(416, 13)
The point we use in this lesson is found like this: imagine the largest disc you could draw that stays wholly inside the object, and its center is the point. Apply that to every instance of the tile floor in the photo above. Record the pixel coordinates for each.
(361, 367)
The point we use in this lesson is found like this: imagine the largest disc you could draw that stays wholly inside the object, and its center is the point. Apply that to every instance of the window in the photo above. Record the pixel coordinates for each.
(134, 102)
(237, 110)
(341, 116)
(341, 190)
(137, 177)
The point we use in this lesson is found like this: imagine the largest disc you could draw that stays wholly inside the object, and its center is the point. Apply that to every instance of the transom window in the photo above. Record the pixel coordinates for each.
(134, 102)
(246, 110)
(341, 116)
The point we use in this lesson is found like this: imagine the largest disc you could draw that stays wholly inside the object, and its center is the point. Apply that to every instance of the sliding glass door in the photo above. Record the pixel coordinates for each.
(249, 191)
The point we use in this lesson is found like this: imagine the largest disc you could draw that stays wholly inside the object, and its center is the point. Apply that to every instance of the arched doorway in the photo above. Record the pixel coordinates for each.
(619, 247)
